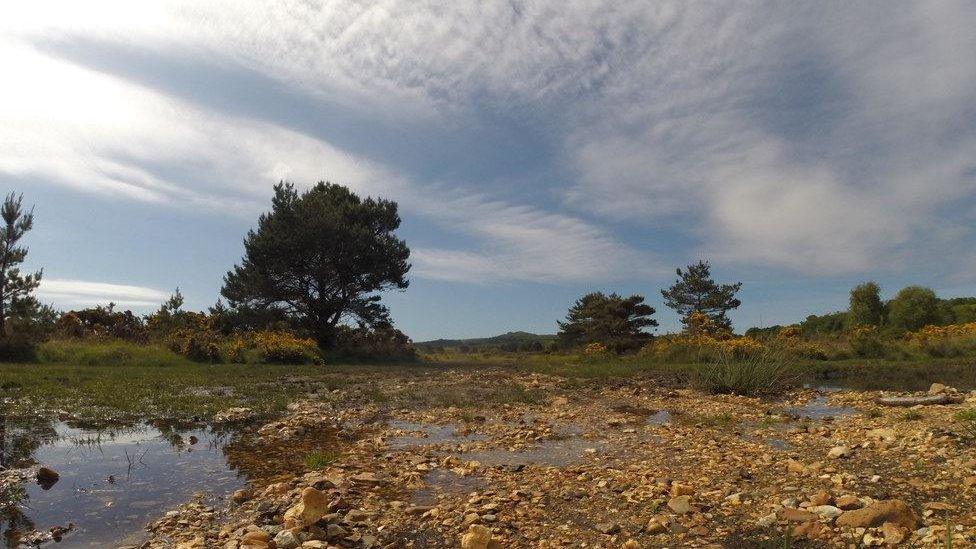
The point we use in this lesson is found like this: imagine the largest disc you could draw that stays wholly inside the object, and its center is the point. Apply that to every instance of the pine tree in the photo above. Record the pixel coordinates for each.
(15, 288)
(695, 292)
(612, 320)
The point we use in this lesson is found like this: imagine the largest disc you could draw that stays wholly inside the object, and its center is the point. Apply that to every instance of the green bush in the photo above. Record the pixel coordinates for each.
(767, 372)
(17, 348)
(106, 353)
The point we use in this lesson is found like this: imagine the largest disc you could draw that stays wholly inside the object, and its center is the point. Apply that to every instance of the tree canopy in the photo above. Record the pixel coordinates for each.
(914, 307)
(615, 321)
(695, 291)
(866, 308)
(319, 259)
(16, 289)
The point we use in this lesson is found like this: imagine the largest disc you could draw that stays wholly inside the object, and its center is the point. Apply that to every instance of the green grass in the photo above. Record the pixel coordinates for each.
(319, 459)
(766, 373)
(911, 415)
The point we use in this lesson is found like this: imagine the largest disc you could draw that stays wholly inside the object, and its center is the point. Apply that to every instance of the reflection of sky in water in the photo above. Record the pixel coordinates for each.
(114, 482)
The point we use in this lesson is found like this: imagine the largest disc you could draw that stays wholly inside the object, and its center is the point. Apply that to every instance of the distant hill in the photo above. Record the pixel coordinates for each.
(511, 341)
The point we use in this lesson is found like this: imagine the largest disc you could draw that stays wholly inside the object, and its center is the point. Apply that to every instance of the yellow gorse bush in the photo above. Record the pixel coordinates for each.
(940, 333)
(276, 347)
(595, 349)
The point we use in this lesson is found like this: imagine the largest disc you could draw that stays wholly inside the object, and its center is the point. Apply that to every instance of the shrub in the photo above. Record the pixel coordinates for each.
(274, 347)
(765, 372)
(865, 343)
(380, 342)
(595, 349)
(17, 348)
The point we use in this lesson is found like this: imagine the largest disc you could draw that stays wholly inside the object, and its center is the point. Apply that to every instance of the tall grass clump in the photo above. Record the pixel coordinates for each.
(767, 371)
(115, 352)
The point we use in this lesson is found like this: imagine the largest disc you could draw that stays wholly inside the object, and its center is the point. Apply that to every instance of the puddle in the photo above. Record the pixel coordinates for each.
(445, 483)
(818, 408)
(552, 453)
(659, 417)
(112, 481)
(425, 434)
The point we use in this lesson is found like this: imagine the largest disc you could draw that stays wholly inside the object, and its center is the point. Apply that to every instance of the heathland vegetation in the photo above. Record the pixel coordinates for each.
(308, 291)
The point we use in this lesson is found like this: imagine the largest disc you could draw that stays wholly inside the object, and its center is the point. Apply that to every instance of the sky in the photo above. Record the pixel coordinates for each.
(538, 150)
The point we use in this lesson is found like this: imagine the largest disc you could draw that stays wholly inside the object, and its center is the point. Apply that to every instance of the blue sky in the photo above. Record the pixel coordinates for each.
(538, 150)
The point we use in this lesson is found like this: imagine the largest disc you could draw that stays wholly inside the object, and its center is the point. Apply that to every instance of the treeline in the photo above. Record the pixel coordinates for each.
(307, 287)
(912, 308)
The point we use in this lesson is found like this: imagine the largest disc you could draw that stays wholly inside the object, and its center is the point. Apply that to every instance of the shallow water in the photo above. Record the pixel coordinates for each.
(442, 482)
(421, 434)
(819, 408)
(112, 482)
(660, 417)
(552, 453)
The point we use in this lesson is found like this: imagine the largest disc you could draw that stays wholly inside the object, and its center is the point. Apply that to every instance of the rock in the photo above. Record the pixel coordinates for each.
(848, 503)
(906, 402)
(893, 534)
(681, 490)
(630, 544)
(286, 539)
(821, 498)
(937, 389)
(794, 466)
(608, 528)
(680, 504)
(766, 521)
(797, 515)
(256, 535)
(233, 415)
(308, 511)
(47, 477)
(560, 402)
(895, 511)
(886, 435)
(811, 530)
(826, 511)
(838, 452)
(315, 544)
(657, 525)
(478, 537)
(240, 496)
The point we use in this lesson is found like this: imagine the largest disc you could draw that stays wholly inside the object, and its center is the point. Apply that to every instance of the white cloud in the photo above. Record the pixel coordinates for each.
(822, 137)
(74, 293)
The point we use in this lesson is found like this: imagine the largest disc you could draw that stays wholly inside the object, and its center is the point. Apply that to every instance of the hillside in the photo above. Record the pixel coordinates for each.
(510, 340)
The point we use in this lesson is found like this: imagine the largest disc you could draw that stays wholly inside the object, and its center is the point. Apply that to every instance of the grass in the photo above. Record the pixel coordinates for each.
(911, 415)
(320, 459)
(765, 373)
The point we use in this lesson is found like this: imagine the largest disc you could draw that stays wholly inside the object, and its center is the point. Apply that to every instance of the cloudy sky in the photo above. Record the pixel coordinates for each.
(538, 149)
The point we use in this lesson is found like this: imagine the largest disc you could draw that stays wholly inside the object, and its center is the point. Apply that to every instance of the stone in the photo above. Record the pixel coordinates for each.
(848, 503)
(811, 530)
(657, 525)
(257, 535)
(838, 452)
(885, 435)
(315, 544)
(630, 544)
(681, 490)
(826, 511)
(680, 504)
(286, 539)
(797, 515)
(309, 510)
(766, 521)
(478, 537)
(895, 511)
(608, 528)
(893, 534)
(821, 498)
(937, 389)
(47, 477)
(240, 496)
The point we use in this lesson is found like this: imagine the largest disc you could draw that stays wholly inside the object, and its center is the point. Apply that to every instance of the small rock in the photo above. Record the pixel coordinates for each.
(826, 511)
(797, 515)
(937, 389)
(608, 528)
(286, 539)
(478, 537)
(680, 504)
(848, 503)
(838, 452)
(893, 534)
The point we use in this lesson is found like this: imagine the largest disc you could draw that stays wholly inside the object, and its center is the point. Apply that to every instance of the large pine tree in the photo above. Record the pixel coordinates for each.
(16, 289)
(320, 258)
(695, 291)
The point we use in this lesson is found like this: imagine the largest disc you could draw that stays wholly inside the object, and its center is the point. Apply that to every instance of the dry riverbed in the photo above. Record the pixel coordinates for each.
(632, 464)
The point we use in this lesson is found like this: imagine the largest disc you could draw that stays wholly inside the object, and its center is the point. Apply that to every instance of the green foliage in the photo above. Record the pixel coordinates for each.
(866, 308)
(611, 320)
(17, 303)
(832, 323)
(101, 322)
(113, 353)
(319, 258)
(695, 291)
(320, 459)
(913, 308)
(768, 372)
(378, 343)
(866, 343)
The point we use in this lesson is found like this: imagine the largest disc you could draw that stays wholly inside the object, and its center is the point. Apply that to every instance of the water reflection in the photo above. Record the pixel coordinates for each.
(111, 481)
